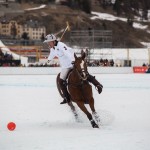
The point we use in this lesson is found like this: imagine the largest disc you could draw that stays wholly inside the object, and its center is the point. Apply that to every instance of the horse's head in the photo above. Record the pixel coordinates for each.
(80, 66)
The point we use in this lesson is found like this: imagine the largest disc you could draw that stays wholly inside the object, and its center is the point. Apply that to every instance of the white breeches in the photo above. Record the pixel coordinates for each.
(64, 72)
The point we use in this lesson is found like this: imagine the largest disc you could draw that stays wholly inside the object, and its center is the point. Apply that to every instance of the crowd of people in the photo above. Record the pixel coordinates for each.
(148, 66)
(44, 65)
(6, 60)
(5, 56)
(92, 63)
(101, 63)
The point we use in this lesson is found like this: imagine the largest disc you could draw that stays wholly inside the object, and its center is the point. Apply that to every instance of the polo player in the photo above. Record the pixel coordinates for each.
(65, 55)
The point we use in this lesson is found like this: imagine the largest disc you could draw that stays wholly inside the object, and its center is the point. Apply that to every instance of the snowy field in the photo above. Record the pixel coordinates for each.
(32, 102)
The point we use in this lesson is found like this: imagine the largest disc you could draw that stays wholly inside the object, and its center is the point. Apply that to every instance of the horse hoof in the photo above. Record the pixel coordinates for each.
(96, 116)
(96, 126)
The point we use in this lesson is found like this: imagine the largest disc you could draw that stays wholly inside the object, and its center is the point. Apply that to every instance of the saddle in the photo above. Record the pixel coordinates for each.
(66, 84)
(62, 88)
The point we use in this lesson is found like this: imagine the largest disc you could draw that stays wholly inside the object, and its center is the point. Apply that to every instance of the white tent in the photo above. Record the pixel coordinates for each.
(137, 56)
(24, 60)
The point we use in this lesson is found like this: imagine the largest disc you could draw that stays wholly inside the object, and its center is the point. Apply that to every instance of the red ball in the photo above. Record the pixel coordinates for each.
(11, 126)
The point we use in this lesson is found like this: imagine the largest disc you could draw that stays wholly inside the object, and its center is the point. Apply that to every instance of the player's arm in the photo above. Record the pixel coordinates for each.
(50, 57)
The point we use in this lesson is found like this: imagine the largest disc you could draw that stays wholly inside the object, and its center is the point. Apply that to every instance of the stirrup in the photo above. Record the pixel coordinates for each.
(64, 101)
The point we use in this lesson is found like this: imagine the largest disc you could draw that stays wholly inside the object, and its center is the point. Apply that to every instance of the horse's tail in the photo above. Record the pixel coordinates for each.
(58, 85)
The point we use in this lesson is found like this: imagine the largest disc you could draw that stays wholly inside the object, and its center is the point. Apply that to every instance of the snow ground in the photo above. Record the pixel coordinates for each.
(35, 8)
(105, 16)
(32, 102)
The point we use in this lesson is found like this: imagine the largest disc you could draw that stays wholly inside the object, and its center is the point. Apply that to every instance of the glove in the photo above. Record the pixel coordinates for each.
(99, 88)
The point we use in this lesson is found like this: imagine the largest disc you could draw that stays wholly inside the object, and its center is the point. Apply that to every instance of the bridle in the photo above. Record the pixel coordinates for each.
(81, 72)
(80, 76)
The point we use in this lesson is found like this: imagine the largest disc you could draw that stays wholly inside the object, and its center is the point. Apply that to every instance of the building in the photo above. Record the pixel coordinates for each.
(9, 28)
(13, 29)
(34, 29)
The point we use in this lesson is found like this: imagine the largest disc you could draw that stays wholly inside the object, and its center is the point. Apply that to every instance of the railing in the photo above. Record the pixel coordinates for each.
(19, 42)
(91, 38)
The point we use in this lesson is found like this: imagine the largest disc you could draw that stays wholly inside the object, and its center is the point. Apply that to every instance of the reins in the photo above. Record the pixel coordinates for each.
(82, 79)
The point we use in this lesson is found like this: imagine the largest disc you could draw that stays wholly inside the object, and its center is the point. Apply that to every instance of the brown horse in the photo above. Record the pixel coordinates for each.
(80, 90)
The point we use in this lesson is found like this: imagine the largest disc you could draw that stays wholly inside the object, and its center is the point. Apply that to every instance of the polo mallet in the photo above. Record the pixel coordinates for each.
(59, 32)
(67, 28)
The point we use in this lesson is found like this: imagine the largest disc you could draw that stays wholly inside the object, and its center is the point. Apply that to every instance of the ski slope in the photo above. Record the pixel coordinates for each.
(32, 102)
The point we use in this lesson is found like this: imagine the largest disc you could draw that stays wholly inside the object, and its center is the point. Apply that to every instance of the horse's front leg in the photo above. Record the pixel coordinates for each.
(94, 113)
(96, 116)
(84, 109)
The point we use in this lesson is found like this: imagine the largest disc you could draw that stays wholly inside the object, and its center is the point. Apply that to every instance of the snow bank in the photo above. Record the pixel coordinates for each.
(105, 16)
(35, 8)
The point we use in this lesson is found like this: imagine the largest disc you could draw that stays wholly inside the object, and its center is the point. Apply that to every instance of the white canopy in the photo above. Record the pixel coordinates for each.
(24, 60)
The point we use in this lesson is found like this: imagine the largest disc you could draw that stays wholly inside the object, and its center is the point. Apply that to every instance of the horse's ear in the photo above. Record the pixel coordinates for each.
(75, 56)
(82, 54)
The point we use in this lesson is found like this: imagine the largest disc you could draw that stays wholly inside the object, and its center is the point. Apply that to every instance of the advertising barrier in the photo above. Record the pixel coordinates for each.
(56, 70)
(140, 69)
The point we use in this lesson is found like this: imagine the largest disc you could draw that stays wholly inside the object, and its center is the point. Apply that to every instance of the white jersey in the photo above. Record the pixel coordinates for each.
(64, 53)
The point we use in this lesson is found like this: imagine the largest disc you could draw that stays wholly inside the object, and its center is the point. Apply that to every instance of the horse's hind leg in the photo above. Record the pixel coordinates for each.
(94, 113)
(84, 109)
(74, 111)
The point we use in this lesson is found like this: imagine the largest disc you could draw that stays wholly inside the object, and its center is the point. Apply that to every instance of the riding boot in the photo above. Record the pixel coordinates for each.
(98, 86)
(64, 90)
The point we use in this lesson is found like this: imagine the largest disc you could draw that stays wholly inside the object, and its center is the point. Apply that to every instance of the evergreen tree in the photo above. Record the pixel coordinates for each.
(13, 30)
(117, 6)
(42, 37)
(86, 5)
(25, 36)
(145, 8)
(134, 4)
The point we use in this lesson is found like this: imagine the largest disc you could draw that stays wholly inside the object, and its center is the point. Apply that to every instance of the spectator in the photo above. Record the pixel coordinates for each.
(111, 62)
(144, 64)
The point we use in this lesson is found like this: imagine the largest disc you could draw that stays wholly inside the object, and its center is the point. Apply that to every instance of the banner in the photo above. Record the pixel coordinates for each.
(140, 69)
